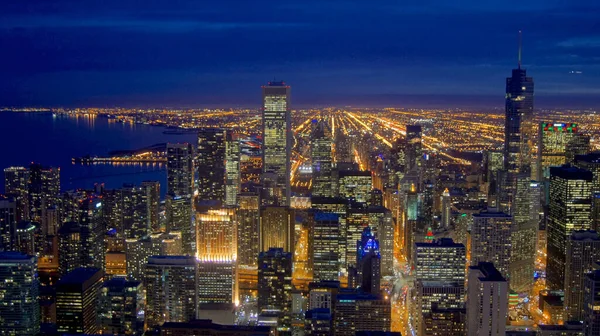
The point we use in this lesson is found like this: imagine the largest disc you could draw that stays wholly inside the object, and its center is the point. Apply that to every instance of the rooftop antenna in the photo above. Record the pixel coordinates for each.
(520, 47)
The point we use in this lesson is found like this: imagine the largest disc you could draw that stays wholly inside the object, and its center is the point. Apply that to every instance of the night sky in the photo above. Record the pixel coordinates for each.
(378, 52)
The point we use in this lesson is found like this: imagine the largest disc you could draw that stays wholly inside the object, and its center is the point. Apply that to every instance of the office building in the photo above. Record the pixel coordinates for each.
(487, 301)
(491, 240)
(16, 184)
(180, 169)
(8, 223)
(446, 209)
(69, 244)
(25, 238)
(171, 289)
(591, 162)
(324, 235)
(134, 211)
(275, 284)
(120, 305)
(317, 322)
(92, 231)
(444, 321)
(44, 190)
(210, 159)
(583, 250)
(137, 251)
(414, 148)
(355, 185)
(368, 263)
(180, 219)
(232, 170)
(569, 210)
(355, 312)
(591, 302)
(216, 281)
(19, 290)
(553, 139)
(277, 143)
(152, 202)
(247, 217)
(441, 260)
(216, 235)
(579, 145)
(321, 157)
(493, 163)
(77, 295)
(277, 228)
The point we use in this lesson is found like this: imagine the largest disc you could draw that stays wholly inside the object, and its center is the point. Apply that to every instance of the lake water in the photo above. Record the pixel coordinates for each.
(53, 141)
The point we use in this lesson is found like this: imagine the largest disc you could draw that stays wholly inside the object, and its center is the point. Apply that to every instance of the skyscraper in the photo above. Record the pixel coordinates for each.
(553, 139)
(277, 143)
(180, 169)
(69, 244)
(171, 289)
(180, 219)
(247, 217)
(591, 302)
(491, 240)
(210, 158)
(517, 132)
(152, 202)
(324, 245)
(355, 312)
(232, 170)
(321, 157)
(120, 304)
(277, 228)
(44, 189)
(583, 250)
(591, 162)
(569, 210)
(77, 296)
(368, 262)
(414, 147)
(8, 223)
(19, 290)
(92, 228)
(275, 284)
(16, 184)
(355, 185)
(487, 301)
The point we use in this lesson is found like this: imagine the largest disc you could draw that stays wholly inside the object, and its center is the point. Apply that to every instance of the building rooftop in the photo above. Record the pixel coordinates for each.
(490, 273)
(571, 173)
(326, 216)
(344, 173)
(585, 235)
(79, 276)
(441, 243)
(171, 260)
(492, 214)
(120, 282)
(11, 256)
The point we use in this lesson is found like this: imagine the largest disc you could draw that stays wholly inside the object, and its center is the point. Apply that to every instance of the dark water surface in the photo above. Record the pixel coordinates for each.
(53, 140)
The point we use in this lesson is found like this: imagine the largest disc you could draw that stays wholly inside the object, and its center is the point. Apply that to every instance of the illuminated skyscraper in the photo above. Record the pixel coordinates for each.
(77, 295)
(216, 235)
(120, 304)
(368, 261)
(247, 217)
(8, 223)
(552, 146)
(355, 185)
(591, 302)
(44, 189)
(16, 184)
(171, 289)
(19, 289)
(414, 147)
(277, 228)
(138, 251)
(180, 219)
(134, 212)
(275, 284)
(583, 250)
(324, 245)
(277, 143)
(180, 169)
(91, 223)
(591, 162)
(446, 209)
(69, 243)
(493, 164)
(321, 156)
(569, 210)
(487, 301)
(25, 238)
(211, 164)
(355, 312)
(517, 132)
(491, 240)
(232, 169)
(152, 201)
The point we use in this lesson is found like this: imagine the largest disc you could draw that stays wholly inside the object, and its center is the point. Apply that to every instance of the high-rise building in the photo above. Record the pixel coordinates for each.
(275, 285)
(355, 185)
(92, 228)
(277, 143)
(583, 250)
(553, 139)
(216, 281)
(19, 290)
(569, 210)
(137, 251)
(134, 212)
(210, 158)
(69, 244)
(247, 217)
(44, 189)
(368, 263)
(180, 219)
(180, 169)
(446, 209)
(444, 321)
(8, 223)
(232, 170)
(16, 184)
(591, 162)
(517, 132)
(579, 145)
(152, 201)
(25, 238)
(591, 302)
(120, 305)
(323, 243)
(491, 240)
(487, 301)
(493, 162)
(414, 147)
(321, 157)
(277, 228)
(77, 295)
(355, 312)
(171, 289)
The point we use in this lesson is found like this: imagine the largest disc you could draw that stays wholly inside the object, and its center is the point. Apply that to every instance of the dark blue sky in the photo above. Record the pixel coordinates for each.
(380, 52)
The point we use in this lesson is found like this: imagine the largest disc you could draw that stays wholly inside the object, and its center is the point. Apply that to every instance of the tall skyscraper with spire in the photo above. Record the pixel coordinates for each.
(277, 143)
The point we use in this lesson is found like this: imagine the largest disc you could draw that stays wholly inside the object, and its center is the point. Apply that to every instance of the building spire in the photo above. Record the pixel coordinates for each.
(520, 47)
